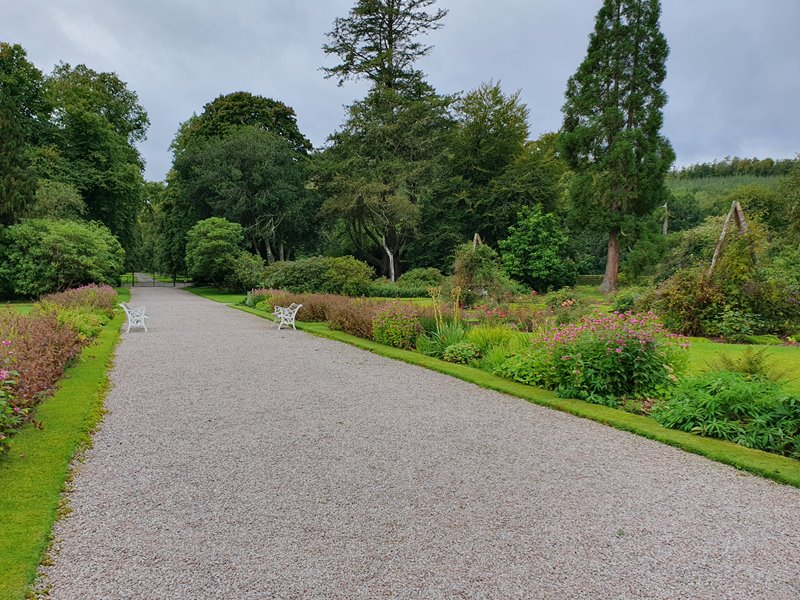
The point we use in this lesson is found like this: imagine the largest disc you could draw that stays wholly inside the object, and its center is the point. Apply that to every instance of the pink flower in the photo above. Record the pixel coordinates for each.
(6, 342)
(618, 350)
(4, 374)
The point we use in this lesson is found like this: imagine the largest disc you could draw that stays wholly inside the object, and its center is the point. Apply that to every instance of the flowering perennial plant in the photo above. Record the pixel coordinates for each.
(606, 359)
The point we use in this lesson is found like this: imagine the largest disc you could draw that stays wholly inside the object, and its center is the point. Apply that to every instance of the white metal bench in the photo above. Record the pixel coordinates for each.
(286, 314)
(136, 316)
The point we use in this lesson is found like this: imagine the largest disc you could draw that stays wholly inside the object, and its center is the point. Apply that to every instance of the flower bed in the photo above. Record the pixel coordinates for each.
(608, 359)
(36, 348)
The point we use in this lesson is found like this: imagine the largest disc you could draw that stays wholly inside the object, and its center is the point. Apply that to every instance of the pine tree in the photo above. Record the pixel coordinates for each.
(378, 41)
(612, 122)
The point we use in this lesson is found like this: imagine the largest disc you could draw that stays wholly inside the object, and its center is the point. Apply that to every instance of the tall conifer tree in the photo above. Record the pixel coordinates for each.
(612, 121)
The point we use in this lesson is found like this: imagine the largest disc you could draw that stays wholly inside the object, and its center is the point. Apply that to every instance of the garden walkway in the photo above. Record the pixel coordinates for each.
(240, 462)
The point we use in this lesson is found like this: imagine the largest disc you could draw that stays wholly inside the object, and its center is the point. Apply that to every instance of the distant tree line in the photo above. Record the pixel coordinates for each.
(727, 167)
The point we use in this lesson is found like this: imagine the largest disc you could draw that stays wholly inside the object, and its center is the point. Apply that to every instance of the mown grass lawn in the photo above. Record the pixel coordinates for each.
(33, 473)
(786, 359)
(22, 308)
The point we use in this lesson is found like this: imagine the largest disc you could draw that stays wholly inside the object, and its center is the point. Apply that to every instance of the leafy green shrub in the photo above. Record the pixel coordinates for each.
(462, 353)
(735, 325)
(212, 246)
(602, 360)
(536, 252)
(479, 275)
(322, 274)
(421, 279)
(627, 300)
(38, 256)
(396, 325)
(748, 410)
(246, 271)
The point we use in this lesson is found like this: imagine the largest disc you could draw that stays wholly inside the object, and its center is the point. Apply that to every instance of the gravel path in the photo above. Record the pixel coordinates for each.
(241, 462)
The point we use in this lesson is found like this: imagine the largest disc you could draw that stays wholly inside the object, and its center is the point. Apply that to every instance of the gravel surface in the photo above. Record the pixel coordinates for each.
(242, 462)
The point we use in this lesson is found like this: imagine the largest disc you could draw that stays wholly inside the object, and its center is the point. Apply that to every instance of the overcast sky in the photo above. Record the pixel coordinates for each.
(733, 73)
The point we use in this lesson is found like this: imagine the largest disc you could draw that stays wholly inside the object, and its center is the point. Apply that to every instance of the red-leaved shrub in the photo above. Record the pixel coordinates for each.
(42, 349)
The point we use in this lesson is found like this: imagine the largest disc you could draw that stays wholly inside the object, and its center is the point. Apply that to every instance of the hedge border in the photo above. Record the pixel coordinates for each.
(771, 466)
(35, 473)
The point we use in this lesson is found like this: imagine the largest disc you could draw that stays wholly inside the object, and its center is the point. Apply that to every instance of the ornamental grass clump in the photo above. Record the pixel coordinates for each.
(608, 359)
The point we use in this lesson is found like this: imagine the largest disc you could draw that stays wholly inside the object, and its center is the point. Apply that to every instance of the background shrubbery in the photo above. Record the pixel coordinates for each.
(38, 256)
(321, 274)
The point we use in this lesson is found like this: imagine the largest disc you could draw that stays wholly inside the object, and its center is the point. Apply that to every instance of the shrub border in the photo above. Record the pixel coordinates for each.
(35, 473)
(772, 466)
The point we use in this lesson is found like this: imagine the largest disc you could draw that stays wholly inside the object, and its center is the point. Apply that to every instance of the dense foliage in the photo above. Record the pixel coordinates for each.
(328, 275)
(212, 245)
(38, 256)
(749, 410)
(536, 252)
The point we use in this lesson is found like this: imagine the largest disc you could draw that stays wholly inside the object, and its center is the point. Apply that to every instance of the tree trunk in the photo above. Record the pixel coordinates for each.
(390, 256)
(612, 264)
(281, 255)
(270, 256)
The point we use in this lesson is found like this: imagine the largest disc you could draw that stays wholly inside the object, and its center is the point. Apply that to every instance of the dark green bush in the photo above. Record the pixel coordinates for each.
(246, 272)
(38, 256)
(212, 246)
(421, 279)
(627, 300)
(745, 409)
(536, 252)
(461, 352)
(321, 274)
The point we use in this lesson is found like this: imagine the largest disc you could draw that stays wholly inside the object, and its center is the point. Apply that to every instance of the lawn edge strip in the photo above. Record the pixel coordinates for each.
(36, 472)
(772, 466)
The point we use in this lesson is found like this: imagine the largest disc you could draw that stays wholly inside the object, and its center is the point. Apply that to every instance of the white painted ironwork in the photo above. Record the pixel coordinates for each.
(286, 314)
(136, 316)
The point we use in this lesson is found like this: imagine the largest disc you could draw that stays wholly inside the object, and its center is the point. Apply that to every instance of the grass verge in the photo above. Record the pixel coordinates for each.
(33, 474)
(772, 466)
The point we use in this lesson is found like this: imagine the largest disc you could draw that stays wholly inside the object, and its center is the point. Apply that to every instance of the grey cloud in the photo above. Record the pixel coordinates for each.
(733, 71)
